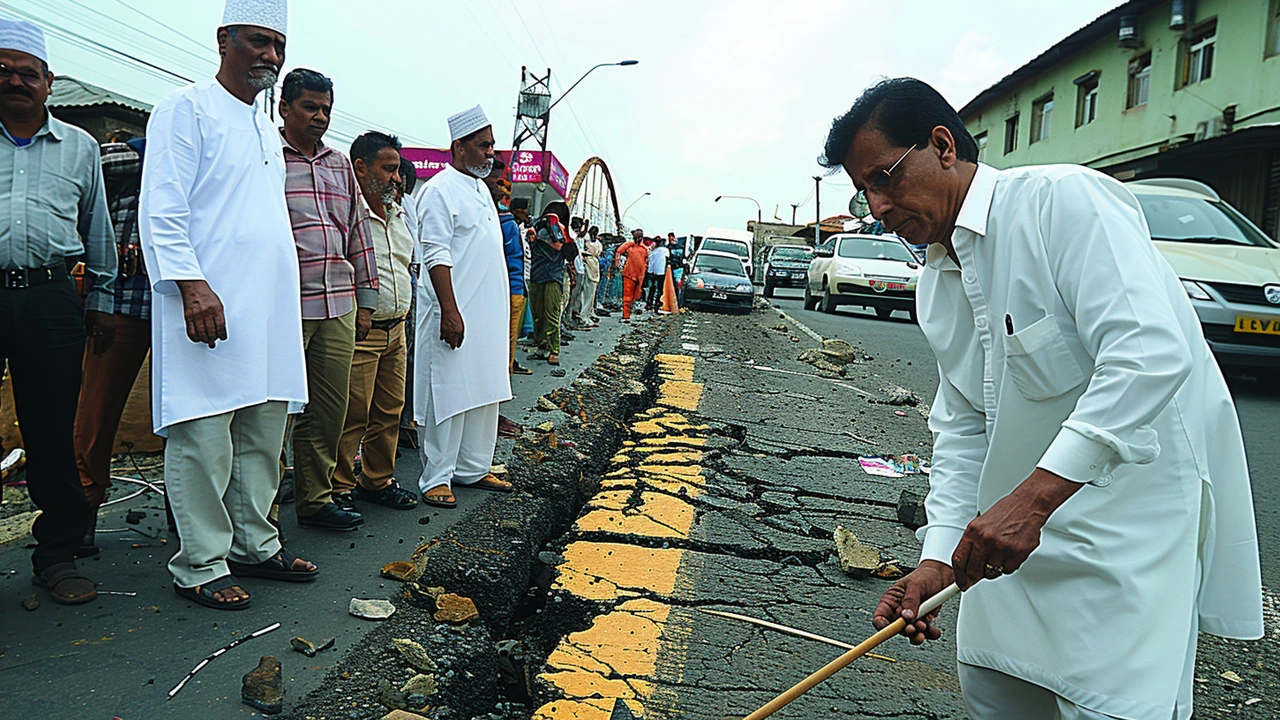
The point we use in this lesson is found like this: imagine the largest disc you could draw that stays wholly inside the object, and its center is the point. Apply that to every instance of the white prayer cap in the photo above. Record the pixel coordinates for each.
(24, 37)
(269, 14)
(467, 122)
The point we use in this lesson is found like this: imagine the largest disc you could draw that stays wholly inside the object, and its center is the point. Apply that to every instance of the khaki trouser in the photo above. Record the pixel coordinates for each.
(329, 345)
(107, 380)
(374, 403)
(221, 473)
(546, 301)
(517, 319)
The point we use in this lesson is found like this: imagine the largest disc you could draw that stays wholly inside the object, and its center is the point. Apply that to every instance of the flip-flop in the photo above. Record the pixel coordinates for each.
(553, 359)
(491, 483)
(439, 501)
(277, 567)
(204, 594)
(65, 583)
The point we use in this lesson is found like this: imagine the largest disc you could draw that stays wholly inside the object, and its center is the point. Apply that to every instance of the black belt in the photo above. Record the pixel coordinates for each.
(25, 278)
(385, 324)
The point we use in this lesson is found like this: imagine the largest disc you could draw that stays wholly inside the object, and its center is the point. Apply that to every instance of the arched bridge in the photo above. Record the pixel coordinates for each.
(593, 196)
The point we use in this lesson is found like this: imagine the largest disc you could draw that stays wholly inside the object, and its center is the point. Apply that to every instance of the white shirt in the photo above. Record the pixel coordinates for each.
(458, 228)
(591, 250)
(393, 250)
(212, 208)
(1106, 379)
(409, 205)
(658, 260)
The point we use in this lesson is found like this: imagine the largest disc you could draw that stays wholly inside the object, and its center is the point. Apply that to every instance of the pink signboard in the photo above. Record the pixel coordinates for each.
(527, 166)
(559, 177)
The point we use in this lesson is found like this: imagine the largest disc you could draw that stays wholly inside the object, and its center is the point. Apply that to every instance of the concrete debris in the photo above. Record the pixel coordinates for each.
(371, 609)
(546, 427)
(400, 570)
(546, 405)
(263, 687)
(839, 352)
(897, 395)
(402, 715)
(455, 609)
(857, 559)
(30, 602)
(415, 655)
(392, 698)
(420, 685)
(911, 510)
(1230, 675)
(821, 362)
(308, 648)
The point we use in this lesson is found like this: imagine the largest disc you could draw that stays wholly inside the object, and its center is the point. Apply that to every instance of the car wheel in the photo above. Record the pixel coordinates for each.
(828, 303)
(810, 302)
(884, 313)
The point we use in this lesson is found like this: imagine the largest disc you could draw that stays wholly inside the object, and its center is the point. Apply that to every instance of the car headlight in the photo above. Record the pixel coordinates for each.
(699, 283)
(1195, 290)
(742, 287)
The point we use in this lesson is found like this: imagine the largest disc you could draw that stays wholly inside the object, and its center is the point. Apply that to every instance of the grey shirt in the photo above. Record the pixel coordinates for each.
(53, 207)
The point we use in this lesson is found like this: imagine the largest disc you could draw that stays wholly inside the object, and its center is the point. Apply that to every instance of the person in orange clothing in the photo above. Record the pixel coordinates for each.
(633, 259)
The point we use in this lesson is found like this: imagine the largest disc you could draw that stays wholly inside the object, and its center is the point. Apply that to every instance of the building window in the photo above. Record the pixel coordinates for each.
(1086, 98)
(1273, 29)
(1011, 134)
(981, 139)
(1197, 54)
(1041, 118)
(1139, 81)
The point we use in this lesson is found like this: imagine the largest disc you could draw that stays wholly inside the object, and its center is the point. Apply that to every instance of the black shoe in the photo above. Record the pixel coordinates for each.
(345, 501)
(332, 517)
(567, 336)
(392, 496)
(88, 546)
(286, 493)
(408, 439)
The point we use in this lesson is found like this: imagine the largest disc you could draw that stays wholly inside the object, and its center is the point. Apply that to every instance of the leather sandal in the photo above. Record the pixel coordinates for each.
(441, 500)
(277, 567)
(65, 583)
(492, 483)
(206, 594)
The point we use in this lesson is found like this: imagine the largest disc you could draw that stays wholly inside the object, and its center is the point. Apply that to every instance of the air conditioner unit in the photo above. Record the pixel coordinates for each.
(1211, 128)
(1128, 37)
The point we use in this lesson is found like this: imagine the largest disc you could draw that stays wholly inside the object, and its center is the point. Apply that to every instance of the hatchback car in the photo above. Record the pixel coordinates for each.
(874, 271)
(786, 266)
(717, 280)
(737, 248)
(1229, 268)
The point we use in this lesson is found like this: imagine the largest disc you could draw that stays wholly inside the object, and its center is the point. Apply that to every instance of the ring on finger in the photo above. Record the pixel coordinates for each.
(994, 571)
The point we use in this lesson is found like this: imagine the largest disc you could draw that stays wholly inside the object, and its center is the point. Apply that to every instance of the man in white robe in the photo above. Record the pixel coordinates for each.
(227, 358)
(1089, 490)
(463, 312)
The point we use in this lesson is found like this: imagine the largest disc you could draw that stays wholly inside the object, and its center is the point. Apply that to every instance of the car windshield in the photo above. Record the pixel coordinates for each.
(719, 264)
(1195, 220)
(792, 253)
(728, 246)
(874, 249)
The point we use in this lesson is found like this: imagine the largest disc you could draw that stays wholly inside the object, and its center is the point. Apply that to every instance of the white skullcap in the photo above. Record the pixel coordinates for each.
(467, 122)
(24, 37)
(269, 14)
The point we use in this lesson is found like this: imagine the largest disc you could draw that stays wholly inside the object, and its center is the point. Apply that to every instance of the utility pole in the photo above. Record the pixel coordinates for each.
(817, 210)
(794, 207)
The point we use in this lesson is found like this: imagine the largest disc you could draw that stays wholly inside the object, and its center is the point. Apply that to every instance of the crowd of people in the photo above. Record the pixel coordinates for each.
(283, 289)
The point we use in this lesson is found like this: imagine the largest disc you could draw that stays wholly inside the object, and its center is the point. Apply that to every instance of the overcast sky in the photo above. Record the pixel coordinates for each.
(730, 97)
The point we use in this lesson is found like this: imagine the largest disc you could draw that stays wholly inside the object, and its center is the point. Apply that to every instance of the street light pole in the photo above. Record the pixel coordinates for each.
(633, 204)
(624, 63)
(759, 214)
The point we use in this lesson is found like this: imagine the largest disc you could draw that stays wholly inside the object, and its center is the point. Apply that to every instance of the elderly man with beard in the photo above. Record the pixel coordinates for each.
(377, 387)
(1089, 492)
(227, 362)
(463, 313)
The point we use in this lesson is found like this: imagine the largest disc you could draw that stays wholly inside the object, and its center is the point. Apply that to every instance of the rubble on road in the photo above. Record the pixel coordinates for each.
(370, 609)
(455, 609)
(263, 688)
(857, 559)
(414, 654)
(911, 510)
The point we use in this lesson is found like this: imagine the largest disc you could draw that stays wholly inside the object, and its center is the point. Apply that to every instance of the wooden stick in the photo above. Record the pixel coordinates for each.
(791, 631)
(836, 665)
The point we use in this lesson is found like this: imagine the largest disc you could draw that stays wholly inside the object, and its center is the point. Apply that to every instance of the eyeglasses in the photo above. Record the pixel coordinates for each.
(881, 183)
(28, 77)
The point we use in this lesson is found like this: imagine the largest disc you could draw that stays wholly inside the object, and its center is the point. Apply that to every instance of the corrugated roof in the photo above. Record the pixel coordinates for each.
(1106, 24)
(70, 92)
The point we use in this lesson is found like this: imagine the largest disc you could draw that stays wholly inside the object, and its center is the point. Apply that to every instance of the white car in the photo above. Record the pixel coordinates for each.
(875, 271)
(1229, 268)
(740, 248)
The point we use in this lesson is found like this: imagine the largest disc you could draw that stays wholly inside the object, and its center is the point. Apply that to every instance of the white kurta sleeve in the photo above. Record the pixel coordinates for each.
(435, 230)
(168, 174)
(959, 450)
(1115, 283)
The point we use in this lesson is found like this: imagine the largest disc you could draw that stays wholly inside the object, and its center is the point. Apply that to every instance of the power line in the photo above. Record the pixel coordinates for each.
(118, 21)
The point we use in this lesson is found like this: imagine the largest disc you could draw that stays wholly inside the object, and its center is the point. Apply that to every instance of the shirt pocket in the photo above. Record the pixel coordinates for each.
(1039, 361)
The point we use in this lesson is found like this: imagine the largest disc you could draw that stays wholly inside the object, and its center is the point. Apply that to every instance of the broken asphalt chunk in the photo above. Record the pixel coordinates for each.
(857, 559)
(371, 609)
(455, 609)
(400, 570)
(415, 655)
(263, 688)
(911, 510)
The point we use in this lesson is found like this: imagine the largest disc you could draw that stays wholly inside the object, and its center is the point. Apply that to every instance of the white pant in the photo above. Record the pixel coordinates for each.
(221, 474)
(459, 450)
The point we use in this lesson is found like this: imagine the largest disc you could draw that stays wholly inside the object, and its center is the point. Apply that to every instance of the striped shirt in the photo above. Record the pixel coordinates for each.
(122, 177)
(53, 207)
(331, 231)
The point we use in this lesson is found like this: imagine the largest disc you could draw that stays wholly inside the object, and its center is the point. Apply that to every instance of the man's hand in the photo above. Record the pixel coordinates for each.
(100, 328)
(998, 541)
(202, 309)
(451, 328)
(903, 600)
(364, 323)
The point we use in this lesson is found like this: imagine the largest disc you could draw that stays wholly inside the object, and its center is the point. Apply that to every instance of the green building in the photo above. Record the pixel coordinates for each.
(1153, 88)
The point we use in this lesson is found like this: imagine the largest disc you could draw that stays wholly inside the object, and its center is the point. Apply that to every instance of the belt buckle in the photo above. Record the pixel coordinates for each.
(16, 279)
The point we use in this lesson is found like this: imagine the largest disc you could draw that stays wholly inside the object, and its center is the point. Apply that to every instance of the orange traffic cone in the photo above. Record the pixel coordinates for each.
(669, 295)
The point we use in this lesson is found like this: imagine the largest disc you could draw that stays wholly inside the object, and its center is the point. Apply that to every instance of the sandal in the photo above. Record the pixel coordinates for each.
(518, 369)
(441, 500)
(491, 483)
(206, 594)
(277, 567)
(65, 583)
(553, 359)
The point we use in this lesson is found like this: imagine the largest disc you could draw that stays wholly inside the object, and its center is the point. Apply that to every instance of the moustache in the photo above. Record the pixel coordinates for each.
(10, 90)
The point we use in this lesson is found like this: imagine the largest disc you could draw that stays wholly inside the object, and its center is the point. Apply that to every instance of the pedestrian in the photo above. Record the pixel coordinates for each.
(463, 315)
(339, 275)
(107, 379)
(633, 262)
(1089, 490)
(583, 309)
(514, 250)
(227, 358)
(548, 276)
(657, 273)
(409, 206)
(55, 211)
(377, 388)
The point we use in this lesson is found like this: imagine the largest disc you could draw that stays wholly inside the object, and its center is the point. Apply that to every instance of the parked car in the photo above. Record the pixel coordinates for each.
(874, 271)
(1229, 268)
(737, 242)
(786, 266)
(717, 280)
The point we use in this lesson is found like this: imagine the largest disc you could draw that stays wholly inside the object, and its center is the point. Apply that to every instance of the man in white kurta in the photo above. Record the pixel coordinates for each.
(1089, 487)
(463, 313)
(227, 330)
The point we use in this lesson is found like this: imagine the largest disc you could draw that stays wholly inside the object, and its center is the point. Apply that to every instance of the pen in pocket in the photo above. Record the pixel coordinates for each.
(1008, 323)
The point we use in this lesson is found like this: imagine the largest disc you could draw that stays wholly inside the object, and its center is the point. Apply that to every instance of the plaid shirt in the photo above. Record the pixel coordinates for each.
(122, 177)
(331, 231)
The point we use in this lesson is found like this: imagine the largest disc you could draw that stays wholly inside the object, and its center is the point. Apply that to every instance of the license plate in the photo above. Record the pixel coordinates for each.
(719, 296)
(895, 286)
(1259, 326)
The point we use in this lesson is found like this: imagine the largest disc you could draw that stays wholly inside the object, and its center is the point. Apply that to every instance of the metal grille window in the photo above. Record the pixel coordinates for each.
(1011, 134)
(1139, 81)
(1198, 54)
(1041, 118)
